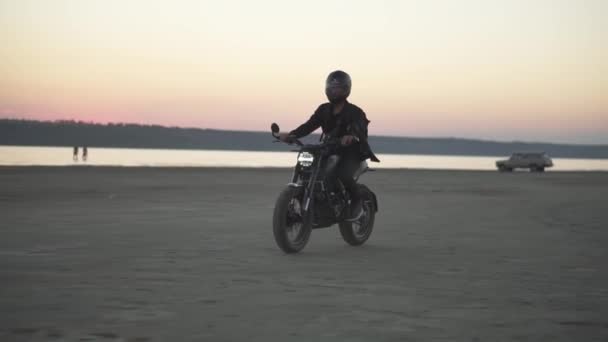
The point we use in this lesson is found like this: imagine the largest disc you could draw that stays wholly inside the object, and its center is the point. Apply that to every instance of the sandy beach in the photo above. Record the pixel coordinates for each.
(168, 254)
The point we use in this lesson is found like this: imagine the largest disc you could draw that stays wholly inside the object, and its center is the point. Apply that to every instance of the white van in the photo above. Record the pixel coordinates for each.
(535, 161)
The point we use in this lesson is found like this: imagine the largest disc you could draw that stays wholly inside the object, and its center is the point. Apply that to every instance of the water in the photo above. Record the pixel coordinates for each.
(57, 156)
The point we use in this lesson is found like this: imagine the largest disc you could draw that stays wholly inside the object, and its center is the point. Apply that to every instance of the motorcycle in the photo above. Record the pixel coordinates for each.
(315, 198)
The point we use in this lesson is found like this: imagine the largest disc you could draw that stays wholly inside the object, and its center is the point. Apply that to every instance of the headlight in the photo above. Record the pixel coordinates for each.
(305, 159)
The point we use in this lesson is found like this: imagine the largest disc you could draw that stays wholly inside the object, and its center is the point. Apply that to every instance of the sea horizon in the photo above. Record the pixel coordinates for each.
(168, 157)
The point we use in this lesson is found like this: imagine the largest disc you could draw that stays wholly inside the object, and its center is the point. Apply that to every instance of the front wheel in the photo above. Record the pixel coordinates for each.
(291, 232)
(357, 232)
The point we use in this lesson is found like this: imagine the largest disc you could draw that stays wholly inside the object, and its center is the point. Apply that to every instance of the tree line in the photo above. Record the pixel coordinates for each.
(129, 135)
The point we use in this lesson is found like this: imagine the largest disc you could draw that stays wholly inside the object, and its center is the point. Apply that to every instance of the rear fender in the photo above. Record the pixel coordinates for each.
(363, 187)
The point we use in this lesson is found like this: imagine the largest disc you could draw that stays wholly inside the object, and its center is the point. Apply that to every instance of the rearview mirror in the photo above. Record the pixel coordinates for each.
(274, 128)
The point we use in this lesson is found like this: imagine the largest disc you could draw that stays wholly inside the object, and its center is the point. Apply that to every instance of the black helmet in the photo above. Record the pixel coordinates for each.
(337, 86)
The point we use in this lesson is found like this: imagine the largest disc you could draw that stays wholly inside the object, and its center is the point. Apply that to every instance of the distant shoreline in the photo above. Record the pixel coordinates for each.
(288, 149)
(70, 134)
(261, 168)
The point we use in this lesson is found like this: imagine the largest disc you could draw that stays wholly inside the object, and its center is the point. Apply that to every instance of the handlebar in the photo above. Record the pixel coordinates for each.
(293, 140)
(314, 147)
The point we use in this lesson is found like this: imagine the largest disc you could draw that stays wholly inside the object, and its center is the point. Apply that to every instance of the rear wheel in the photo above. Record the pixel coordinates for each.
(291, 232)
(357, 232)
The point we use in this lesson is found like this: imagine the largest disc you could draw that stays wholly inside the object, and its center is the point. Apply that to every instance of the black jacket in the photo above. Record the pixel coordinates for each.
(350, 121)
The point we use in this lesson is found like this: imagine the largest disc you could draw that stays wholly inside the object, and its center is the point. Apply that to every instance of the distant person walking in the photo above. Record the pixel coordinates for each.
(75, 154)
(85, 153)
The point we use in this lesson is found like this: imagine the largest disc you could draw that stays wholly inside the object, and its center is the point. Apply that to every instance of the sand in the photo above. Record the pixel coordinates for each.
(152, 254)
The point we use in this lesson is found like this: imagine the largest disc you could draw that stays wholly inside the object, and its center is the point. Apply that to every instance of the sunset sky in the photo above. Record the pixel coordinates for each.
(500, 70)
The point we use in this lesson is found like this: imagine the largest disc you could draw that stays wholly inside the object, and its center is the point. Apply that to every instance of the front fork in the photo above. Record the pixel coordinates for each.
(310, 187)
(308, 198)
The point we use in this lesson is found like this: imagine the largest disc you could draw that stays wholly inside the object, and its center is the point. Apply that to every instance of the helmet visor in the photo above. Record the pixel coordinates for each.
(336, 91)
(336, 94)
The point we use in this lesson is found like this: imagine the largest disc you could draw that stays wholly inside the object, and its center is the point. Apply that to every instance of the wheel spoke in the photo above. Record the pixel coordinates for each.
(293, 228)
(360, 226)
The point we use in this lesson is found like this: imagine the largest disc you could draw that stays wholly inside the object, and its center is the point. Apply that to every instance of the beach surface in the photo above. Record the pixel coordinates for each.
(170, 254)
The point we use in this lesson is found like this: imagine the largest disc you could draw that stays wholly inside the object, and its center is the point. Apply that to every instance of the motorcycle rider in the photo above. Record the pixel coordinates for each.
(341, 119)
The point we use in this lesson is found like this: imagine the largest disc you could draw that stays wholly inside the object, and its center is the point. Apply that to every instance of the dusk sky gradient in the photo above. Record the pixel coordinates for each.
(499, 70)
